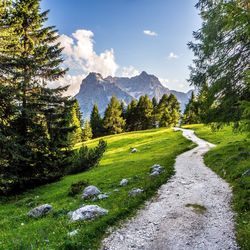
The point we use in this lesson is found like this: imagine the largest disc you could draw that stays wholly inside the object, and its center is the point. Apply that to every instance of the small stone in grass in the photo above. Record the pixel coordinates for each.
(40, 211)
(135, 191)
(134, 150)
(124, 182)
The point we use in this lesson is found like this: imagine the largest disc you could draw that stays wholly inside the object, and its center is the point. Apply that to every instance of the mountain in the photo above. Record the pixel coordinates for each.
(99, 90)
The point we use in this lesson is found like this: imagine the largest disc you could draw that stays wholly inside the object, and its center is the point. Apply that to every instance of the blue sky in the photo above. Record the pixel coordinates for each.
(124, 37)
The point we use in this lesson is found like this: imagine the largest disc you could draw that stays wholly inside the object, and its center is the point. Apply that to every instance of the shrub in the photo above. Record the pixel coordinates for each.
(87, 158)
(77, 187)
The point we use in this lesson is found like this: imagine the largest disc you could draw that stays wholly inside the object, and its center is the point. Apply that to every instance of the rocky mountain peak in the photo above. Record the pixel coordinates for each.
(93, 76)
(96, 89)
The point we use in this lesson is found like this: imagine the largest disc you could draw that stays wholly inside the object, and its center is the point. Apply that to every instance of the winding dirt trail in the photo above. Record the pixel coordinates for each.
(167, 222)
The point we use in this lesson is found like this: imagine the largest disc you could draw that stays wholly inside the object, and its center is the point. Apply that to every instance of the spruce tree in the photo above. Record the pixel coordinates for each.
(155, 112)
(144, 112)
(165, 120)
(174, 109)
(96, 122)
(75, 121)
(87, 131)
(132, 116)
(113, 121)
(190, 115)
(37, 124)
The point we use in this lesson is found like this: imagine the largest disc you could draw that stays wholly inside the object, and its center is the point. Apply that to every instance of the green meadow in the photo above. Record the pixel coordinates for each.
(18, 231)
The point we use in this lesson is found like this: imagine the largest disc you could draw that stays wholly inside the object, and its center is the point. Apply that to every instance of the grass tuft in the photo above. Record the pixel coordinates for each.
(199, 209)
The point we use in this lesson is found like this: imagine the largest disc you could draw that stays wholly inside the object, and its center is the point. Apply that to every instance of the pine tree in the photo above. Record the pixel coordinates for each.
(123, 109)
(155, 112)
(37, 124)
(132, 116)
(96, 122)
(174, 109)
(87, 131)
(113, 121)
(75, 121)
(144, 112)
(190, 114)
(165, 120)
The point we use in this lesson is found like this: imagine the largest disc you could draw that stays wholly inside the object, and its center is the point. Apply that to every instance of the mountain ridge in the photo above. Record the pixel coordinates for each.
(97, 89)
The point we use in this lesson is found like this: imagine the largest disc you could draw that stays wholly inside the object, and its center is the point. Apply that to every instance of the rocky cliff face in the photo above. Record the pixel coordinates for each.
(99, 90)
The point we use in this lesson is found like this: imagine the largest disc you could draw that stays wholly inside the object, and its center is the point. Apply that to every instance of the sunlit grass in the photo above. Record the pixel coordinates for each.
(161, 146)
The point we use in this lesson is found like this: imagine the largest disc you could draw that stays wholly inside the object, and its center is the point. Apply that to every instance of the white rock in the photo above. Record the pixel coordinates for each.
(87, 212)
(73, 233)
(90, 191)
(40, 211)
(124, 182)
(155, 173)
(135, 191)
(134, 150)
(155, 170)
(102, 196)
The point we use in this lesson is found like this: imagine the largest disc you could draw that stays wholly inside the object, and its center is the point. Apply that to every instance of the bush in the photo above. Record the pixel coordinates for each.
(77, 187)
(87, 158)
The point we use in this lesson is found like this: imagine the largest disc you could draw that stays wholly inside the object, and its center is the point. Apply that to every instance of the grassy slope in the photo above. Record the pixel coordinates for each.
(17, 231)
(230, 159)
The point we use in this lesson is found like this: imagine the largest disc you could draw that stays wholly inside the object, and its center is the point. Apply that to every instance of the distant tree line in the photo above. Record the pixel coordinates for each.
(138, 115)
(38, 125)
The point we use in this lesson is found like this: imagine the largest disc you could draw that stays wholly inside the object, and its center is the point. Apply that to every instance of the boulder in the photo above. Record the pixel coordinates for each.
(124, 182)
(155, 173)
(155, 170)
(135, 191)
(134, 150)
(73, 233)
(40, 211)
(90, 191)
(87, 212)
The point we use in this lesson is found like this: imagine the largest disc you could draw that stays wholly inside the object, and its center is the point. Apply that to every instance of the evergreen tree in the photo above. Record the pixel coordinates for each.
(222, 58)
(123, 109)
(96, 122)
(165, 120)
(155, 112)
(87, 131)
(113, 121)
(132, 116)
(191, 115)
(75, 121)
(144, 113)
(37, 122)
(174, 109)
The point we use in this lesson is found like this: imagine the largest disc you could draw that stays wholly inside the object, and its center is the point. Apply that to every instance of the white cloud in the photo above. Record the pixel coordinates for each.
(80, 56)
(74, 83)
(164, 81)
(149, 33)
(129, 71)
(172, 55)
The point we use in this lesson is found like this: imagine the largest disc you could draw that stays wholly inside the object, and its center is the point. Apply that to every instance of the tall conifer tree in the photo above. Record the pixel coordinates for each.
(113, 121)
(96, 122)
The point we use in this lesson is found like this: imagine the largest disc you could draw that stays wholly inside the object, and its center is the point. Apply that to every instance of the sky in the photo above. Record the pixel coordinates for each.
(125, 37)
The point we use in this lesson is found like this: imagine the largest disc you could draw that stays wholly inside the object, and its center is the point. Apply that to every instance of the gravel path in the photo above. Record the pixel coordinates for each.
(167, 222)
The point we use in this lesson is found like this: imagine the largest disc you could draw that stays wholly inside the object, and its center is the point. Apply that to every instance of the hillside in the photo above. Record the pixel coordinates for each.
(96, 89)
(160, 146)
